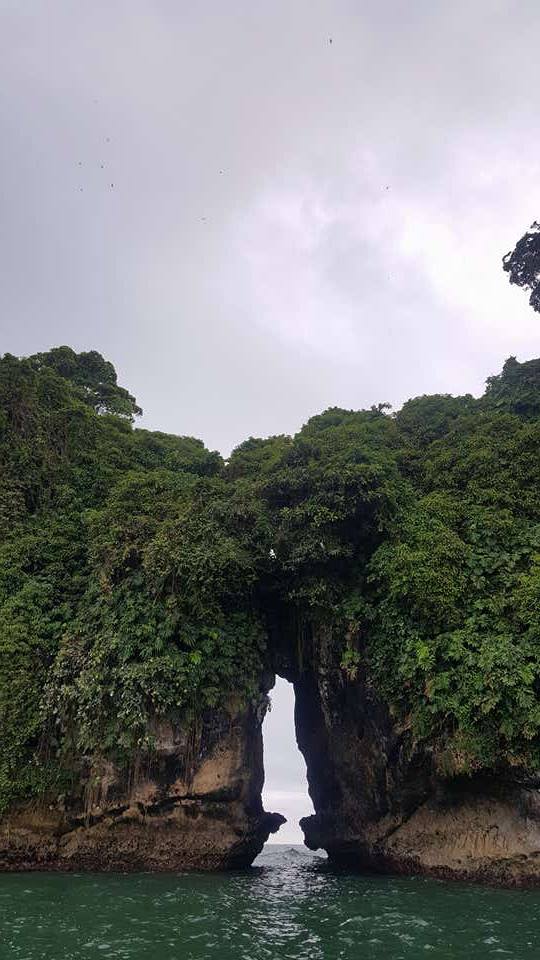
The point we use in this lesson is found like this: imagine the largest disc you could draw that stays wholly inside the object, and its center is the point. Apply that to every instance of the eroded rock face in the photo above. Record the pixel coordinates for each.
(380, 806)
(195, 805)
(379, 803)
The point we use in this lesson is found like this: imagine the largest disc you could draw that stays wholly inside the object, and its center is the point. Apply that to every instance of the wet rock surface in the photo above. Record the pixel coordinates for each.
(194, 805)
(380, 804)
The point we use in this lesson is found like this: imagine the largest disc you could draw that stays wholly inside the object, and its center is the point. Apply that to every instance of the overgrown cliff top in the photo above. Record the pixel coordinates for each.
(140, 572)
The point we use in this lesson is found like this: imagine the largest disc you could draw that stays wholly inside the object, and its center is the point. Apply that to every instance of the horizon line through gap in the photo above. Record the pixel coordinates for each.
(285, 781)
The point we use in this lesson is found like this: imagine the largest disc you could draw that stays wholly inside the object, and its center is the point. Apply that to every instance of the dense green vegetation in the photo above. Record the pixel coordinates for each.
(138, 570)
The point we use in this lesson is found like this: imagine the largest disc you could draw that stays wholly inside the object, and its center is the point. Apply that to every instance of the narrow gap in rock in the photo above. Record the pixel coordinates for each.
(285, 784)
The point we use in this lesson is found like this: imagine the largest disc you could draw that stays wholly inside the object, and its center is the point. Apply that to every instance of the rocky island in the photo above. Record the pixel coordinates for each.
(387, 565)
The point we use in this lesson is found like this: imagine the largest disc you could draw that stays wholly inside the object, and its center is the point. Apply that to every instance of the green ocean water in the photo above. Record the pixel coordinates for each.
(289, 905)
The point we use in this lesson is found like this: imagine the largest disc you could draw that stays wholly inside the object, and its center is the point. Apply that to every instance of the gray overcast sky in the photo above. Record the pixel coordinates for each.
(307, 283)
(254, 223)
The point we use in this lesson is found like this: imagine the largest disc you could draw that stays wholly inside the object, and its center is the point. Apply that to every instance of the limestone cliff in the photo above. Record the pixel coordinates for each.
(380, 804)
(195, 804)
(372, 560)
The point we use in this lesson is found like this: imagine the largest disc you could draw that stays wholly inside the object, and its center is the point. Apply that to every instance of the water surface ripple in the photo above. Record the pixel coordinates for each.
(290, 905)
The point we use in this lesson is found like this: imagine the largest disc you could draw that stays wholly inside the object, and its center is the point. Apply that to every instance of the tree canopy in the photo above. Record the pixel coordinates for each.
(523, 264)
(94, 378)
